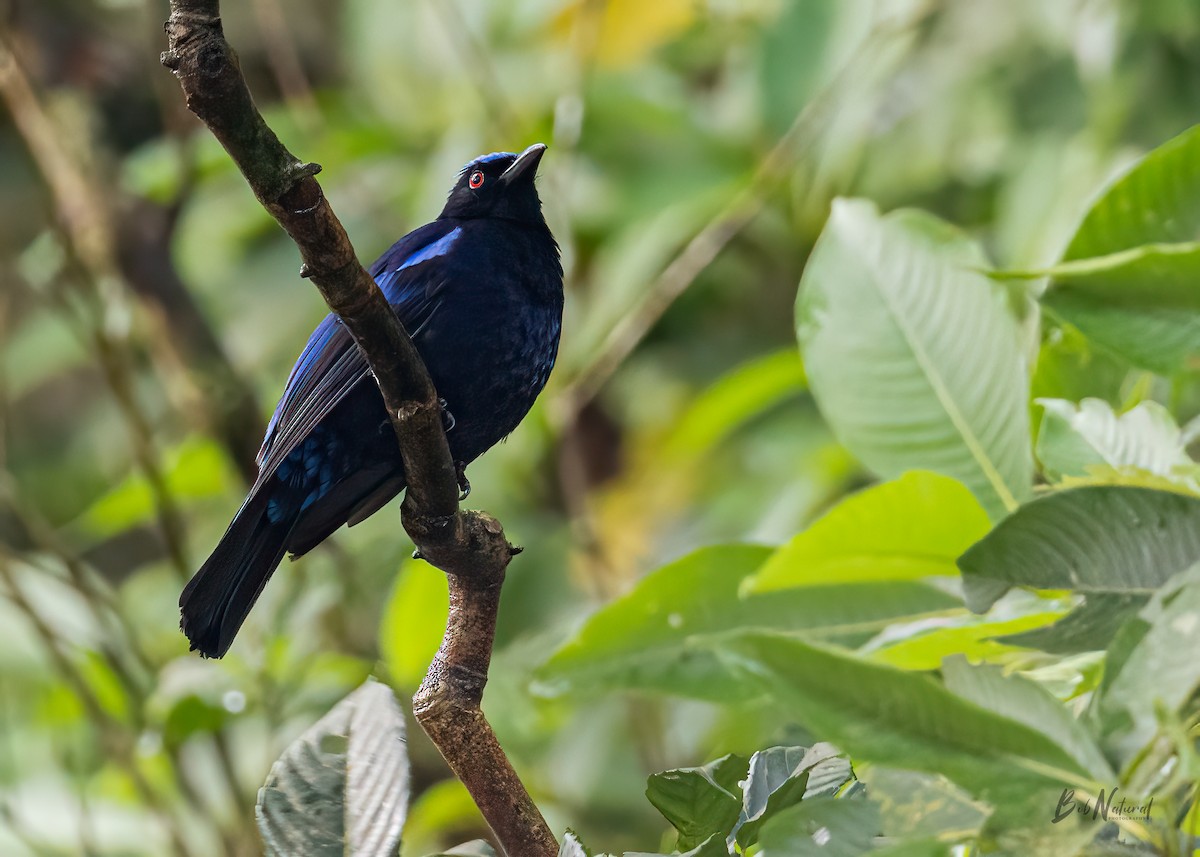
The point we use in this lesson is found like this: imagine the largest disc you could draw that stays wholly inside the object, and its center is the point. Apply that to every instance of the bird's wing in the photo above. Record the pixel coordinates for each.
(331, 364)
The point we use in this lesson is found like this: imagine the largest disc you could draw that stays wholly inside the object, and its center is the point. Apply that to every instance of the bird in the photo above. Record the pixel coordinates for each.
(480, 291)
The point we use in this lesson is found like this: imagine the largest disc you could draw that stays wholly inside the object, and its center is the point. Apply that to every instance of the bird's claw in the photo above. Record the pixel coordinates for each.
(464, 484)
(448, 421)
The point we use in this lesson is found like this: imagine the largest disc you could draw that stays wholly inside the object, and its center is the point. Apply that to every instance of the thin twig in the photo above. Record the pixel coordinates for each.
(285, 63)
(733, 217)
(469, 546)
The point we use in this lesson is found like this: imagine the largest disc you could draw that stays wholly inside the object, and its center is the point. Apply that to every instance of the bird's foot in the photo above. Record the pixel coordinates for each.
(448, 421)
(464, 484)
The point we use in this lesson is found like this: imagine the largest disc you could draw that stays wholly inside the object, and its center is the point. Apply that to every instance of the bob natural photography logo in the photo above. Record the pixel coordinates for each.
(1101, 807)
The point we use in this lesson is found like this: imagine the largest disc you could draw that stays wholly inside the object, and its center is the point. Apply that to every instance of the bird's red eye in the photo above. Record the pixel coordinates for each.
(476, 179)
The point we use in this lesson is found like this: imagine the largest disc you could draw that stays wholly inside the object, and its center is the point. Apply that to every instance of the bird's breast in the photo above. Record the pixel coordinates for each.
(492, 344)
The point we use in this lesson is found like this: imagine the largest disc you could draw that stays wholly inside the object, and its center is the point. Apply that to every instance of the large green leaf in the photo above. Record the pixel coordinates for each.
(1101, 538)
(913, 527)
(1137, 295)
(656, 637)
(342, 786)
(1075, 439)
(907, 720)
(1157, 201)
(913, 354)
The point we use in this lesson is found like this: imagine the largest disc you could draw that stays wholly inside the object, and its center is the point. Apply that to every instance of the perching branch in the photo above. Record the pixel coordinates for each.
(468, 546)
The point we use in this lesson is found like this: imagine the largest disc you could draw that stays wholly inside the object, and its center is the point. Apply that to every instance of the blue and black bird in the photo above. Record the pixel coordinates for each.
(480, 292)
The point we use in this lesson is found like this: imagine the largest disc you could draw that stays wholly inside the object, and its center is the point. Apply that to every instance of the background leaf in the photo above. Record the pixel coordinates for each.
(1147, 308)
(1104, 538)
(913, 354)
(913, 527)
(414, 618)
(1074, 438)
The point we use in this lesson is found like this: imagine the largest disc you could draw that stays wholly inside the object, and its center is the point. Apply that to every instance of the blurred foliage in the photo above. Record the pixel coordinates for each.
(150, 310)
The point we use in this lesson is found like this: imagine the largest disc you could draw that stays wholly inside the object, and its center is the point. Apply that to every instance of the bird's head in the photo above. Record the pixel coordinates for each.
(498, 185)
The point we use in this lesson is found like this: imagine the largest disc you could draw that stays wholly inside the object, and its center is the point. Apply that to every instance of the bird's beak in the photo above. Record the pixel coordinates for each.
(526, 162)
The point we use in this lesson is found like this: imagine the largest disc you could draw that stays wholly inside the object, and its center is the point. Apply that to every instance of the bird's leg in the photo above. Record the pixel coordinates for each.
(448, 421)
(464, 484)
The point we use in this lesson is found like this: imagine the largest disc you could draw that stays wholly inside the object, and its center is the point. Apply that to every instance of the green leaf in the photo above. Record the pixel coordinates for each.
(1156, 202)
(822, 827)
(1104, 538)
(913, 527)
(196, 469)
(1136, 297)
(913, 354)
(342, 786)
(779, 777)
(907, 720)
(963, 635)
(1161, 671)
(414, 619)
(190, 715)
(1090, 627)
(105, 685)
(1160, 339)
(443, 807)
(1152, 274)
(1025, 701)
(1071, 367)
(1073, 439)
(714, 846)
(700, 802)
(735, 398)
(658, 636)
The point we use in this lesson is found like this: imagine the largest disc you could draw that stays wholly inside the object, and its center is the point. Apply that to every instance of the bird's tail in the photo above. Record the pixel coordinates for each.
(219, 596)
